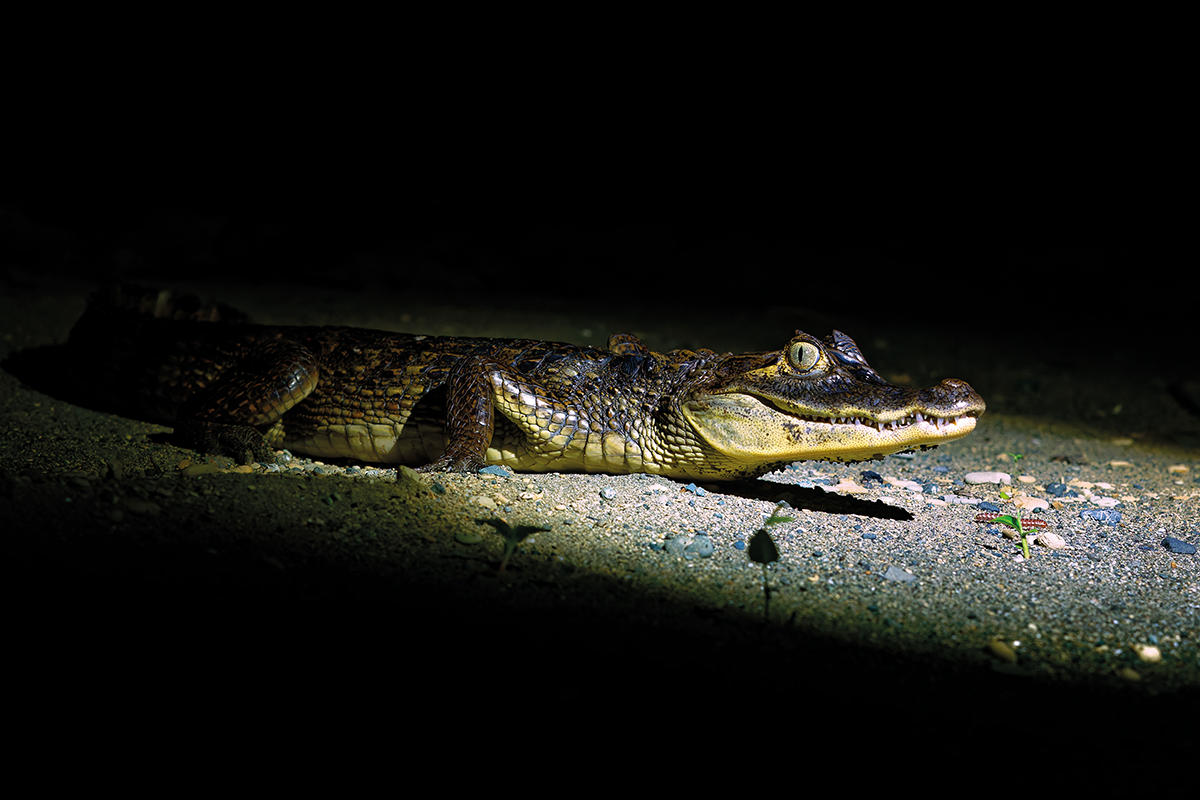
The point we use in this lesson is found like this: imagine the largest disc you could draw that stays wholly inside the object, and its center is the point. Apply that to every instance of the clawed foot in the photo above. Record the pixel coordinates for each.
(240, 442)
(465, 465)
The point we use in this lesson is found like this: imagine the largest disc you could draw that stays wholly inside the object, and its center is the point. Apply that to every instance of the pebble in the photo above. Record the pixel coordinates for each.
(1051, 540)
(403, 474)
(896, 574)
(493, 469)
(1102, 515)
(1178, 546)
(675, 547)
(1148, 653)
(988, 477)
(701, 547)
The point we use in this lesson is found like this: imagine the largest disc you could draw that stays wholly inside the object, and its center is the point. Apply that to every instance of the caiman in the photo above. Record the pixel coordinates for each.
(458, 404)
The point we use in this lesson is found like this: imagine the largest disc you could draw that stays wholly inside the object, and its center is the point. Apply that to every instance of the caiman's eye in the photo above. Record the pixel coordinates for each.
(804, 356)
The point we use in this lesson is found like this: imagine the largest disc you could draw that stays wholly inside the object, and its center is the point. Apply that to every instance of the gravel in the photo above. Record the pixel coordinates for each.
(884, 576)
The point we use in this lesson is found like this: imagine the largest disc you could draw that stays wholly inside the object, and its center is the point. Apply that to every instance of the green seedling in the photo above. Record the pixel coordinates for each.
(1014, 521)
(512, 537)
(763, 551)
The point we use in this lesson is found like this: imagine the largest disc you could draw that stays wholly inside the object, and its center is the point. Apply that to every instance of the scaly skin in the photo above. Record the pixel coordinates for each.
(457, 404)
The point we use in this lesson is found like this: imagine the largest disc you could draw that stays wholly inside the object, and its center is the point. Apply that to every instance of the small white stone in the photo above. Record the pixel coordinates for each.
(1051, 540)
(1027, 503)
(1148, 653)
(988, 477)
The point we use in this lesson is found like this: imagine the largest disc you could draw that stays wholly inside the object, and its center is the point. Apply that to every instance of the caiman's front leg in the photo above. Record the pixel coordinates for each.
(470, 416)
(479, 387)
(223, 417)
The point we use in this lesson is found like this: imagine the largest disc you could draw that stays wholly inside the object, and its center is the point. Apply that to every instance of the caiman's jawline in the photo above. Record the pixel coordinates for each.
(746, 427)
(895, 421)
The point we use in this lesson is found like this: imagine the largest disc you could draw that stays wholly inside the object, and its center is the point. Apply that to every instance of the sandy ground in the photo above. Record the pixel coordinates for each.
(888, 596)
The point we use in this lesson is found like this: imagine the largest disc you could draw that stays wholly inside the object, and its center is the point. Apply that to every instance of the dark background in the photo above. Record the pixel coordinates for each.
(1051, 245)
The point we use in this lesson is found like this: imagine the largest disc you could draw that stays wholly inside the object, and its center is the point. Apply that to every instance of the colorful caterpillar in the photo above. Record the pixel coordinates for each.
(990, 516)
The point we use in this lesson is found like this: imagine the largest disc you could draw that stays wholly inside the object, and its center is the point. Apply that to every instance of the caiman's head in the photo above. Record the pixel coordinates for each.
(821, 400)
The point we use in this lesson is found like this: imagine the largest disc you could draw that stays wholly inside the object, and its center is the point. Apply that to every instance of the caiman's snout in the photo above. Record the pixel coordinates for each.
(952, 397)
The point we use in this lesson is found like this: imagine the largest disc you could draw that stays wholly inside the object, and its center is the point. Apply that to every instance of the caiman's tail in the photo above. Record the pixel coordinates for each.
(125, 298)
(120, 312)
(126, 334)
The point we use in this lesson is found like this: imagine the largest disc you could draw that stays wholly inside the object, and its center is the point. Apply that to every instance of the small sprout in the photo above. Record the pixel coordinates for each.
(775, 517)
(762, 547)
(763, 551)
(512, 537)
(1015, 522)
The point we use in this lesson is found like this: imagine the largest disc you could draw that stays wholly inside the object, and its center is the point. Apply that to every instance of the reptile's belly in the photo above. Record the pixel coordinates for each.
(599, 452)
(420, 444)
(374, 442)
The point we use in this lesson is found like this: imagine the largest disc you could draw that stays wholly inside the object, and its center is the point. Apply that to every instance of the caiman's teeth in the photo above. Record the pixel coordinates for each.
(915, 418)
